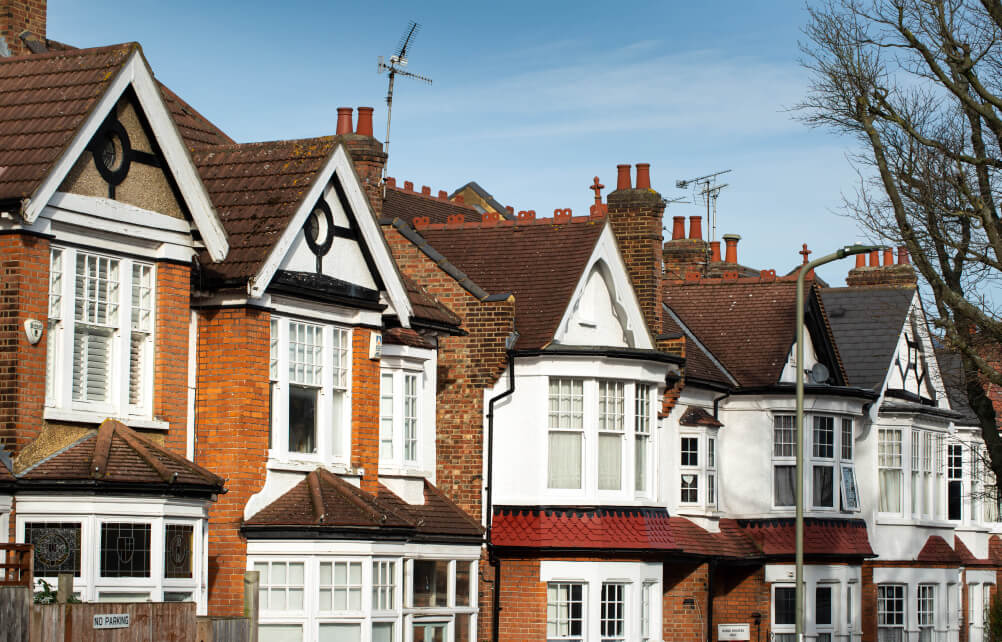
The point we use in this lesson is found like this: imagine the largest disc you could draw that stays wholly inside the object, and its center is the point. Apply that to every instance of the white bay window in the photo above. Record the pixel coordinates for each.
(100, 334)
(308, 369)
(830, 469)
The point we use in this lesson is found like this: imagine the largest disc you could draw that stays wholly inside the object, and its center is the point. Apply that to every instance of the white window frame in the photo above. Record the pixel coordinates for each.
(59, 397)
(642, 437)
(816, 455)
(692, 470)
(784, 453)
(333, 416)
(405, 419)
(890, 458)
(883, 614)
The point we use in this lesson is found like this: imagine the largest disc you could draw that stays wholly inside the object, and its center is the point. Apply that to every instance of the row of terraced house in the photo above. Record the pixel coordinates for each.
(426, 417)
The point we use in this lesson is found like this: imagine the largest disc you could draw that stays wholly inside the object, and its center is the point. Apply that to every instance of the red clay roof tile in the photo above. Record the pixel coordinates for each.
(730, 541)
(822, 536)
(936, 550)
(600, 528)
(408, 206)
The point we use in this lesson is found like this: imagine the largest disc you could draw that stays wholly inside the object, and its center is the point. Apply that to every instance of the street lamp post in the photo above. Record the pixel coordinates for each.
(841, 253)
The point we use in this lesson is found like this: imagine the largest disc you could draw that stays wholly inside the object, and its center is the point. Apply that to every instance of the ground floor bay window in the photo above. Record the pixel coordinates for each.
(602, 601)
(118, 549)
(832, 602)
(917, 604)
(318, 591)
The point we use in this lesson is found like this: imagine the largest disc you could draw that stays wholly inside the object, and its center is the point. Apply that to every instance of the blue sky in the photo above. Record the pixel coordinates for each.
(530, 99)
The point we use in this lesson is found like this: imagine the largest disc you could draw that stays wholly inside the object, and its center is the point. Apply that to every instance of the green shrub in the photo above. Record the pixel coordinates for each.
(993, 623)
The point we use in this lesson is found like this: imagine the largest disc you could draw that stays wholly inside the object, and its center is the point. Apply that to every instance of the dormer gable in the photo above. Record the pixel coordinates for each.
(604, 309)
(914, 370)
(113, 152)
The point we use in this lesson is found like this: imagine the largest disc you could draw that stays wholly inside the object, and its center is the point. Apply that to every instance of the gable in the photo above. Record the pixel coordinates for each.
(69, 157)
(604, 310)
(913, 368)
(123, 162)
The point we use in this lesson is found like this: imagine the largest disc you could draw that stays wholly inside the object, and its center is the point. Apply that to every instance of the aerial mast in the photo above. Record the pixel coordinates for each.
(398, 62)
(710, 191)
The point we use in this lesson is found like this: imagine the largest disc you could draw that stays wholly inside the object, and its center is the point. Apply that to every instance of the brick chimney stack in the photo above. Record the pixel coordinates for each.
(366, 152)
(635, 216)
(18, 17)
(888, 274)
(685, 254)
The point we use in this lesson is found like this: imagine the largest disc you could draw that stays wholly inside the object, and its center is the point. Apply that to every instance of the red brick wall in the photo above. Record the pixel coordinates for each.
(739, 591)
(232, 436)
(369, 159)
(682, 582)
(365, 410)
(523, 603)
(466, 366)
(636, 216)
(24, 286)
(21, 15)
(170, 381)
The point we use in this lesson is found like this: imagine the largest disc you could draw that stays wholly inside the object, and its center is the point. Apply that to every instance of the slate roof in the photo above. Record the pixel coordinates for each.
(407, 206)
(952, 371)
(573, 528)
(44, 99)
(747, 324)
(867, 323)
(323, 502)
(256, 188)
(822, 536)
(117, 455)
(539, 262)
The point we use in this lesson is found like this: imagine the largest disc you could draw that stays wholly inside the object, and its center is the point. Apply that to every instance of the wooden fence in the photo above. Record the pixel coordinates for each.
(15, 601)
(132, 622)
(16, 565)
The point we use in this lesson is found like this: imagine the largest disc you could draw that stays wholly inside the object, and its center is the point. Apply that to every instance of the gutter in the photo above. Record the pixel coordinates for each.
(612, 353)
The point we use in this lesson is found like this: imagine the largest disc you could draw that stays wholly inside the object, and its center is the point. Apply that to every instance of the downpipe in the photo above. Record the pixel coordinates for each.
(491, 557)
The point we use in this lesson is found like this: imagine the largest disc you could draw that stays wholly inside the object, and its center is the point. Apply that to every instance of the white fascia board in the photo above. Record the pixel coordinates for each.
(136, 73)
(339, 163)
(607, 250)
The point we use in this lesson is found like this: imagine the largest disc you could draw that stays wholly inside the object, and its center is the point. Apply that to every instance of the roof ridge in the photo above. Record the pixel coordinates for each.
(349, 492)
(264, 143)
(137, 445)
(730, 278)
(493, 219)
(154, 451)
(70, 53)
(441, 197)
(55, 454)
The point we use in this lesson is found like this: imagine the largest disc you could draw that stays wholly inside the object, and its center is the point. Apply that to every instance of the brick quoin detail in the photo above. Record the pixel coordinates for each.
(364, 410)
(635, 216)
(232, 436)
(21, 15)
(24, 288)
(170, 380)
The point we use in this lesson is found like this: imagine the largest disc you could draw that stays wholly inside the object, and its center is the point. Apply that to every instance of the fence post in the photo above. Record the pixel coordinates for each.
(252, 582)
(65, 588)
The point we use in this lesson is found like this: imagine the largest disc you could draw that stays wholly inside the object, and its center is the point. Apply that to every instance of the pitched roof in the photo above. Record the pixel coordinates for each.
(426, 307)
(44, 100)
(195, 129)
(116, 455)
(747, 324)
(867, 323)
(730, 541)
(936, 550)
(323, 502)
(822, 536)
(484, 194)
(699, 364)
(539, 262)
(256, 189)
(597, 528)
(696, 416)
(408, 205)
(952, 371)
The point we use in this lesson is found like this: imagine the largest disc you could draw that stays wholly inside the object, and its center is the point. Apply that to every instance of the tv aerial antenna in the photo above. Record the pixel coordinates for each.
(672, 201)
(398, 64)
(709, 190)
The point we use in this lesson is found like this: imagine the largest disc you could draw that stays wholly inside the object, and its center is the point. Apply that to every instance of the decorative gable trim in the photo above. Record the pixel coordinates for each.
(136, 73)
(339, 170)
(606, 252)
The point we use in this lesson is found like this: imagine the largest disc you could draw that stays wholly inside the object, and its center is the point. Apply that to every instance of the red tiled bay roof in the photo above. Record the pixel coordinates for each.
(730, 541)
(115, 454)
(822, 536)
(936, 550)
(44, 99)
(540, 263)
(600, 528)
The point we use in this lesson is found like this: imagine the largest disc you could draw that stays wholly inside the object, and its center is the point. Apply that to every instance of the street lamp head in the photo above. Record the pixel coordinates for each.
(850, 250)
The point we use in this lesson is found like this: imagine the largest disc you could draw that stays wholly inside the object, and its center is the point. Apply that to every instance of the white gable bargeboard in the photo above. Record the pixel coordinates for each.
(136, 74)
(604, 310)
(290, 250)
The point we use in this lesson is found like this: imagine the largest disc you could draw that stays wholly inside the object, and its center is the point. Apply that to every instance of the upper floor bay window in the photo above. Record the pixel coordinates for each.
(582, 411)
(309, 384)
(698, 469)
(832, 476)
(399, 437)
(100, 334)
(925, 460)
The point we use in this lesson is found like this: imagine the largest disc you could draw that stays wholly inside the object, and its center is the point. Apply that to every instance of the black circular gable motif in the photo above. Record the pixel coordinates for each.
(111, 152)
(319, 228)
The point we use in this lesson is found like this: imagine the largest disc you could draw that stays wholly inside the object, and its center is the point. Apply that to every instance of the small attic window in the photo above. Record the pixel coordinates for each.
(111, 152)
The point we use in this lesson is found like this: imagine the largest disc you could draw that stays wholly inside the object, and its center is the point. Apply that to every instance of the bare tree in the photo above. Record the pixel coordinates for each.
(919, 83)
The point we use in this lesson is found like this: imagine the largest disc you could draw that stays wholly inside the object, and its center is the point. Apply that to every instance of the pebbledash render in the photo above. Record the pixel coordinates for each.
(426, 417)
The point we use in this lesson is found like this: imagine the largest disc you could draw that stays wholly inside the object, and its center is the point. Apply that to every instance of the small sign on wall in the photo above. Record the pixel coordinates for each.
(111, 621)
(375, 345)
(733, 631)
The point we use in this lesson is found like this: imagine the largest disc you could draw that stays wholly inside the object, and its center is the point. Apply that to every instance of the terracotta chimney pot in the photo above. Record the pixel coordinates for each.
(344, 120)
(443, 195)
(364, 126)
(623, 177)
(888, 257)
(731, 241)
(875, 258)
(678, 228)
(696, 228)
(409, 186)
(425, 190)
(643, 175)
(714, 251)
(903, 258)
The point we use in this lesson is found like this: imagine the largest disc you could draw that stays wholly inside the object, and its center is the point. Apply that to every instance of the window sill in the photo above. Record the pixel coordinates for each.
(893, 520)
(308, 465)
(87, 417)
(403, 471)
